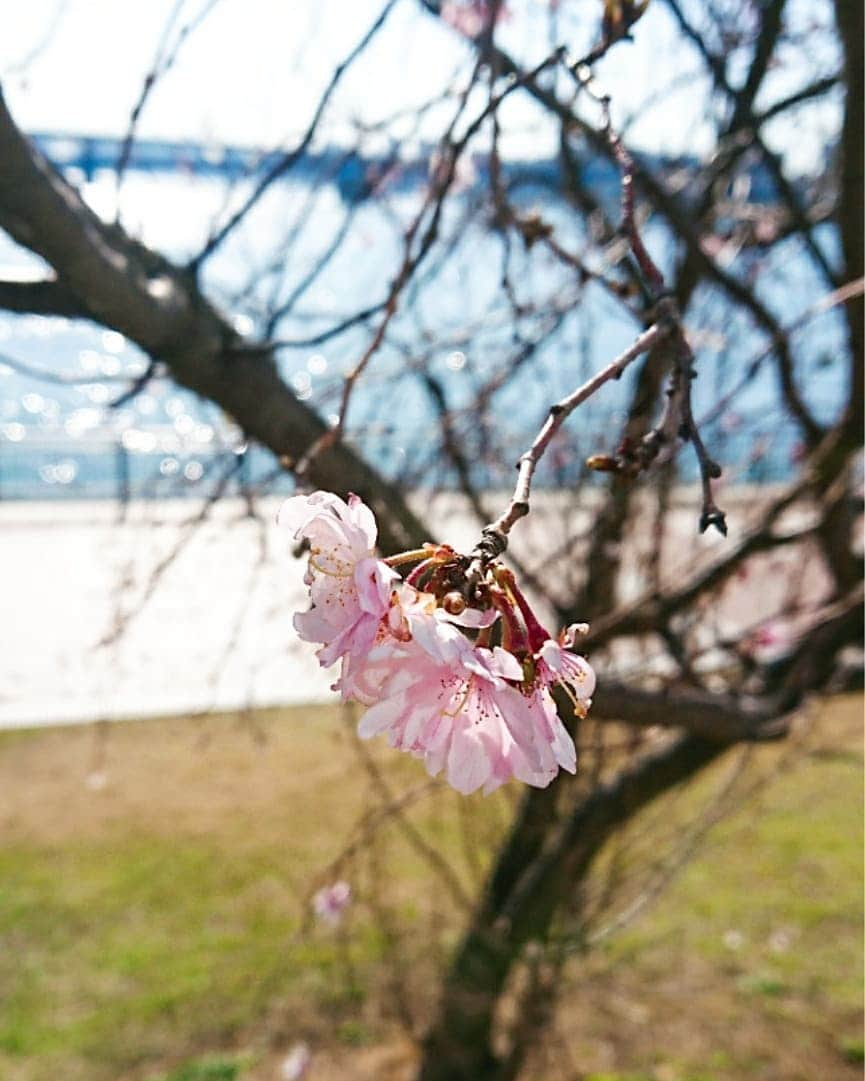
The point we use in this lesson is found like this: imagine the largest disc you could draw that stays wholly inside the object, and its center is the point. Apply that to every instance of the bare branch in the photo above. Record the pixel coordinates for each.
(287, 161)
(61, 379)
(48, 297)
(163, 62)
(158, 306)
(558, 414)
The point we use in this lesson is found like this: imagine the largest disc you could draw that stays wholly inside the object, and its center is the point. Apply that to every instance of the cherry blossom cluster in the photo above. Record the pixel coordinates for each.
(449, 657)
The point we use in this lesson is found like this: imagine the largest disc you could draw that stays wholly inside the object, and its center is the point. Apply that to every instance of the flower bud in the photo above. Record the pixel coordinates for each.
(454, 603)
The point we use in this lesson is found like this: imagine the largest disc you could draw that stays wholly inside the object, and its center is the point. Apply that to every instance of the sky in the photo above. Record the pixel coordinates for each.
(252, 72)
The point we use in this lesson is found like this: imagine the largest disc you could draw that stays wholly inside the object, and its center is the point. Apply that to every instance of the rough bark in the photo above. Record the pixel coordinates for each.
(851, 214)
(522, 900)
(836, 533)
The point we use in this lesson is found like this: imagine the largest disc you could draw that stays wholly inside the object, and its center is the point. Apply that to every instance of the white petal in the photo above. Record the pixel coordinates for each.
(381, 716)
(470, 617)
(505, 664)
(579, 674)
(314, 626)
(551, 653)
(564, 749)
(294, 514)
(443, 642)
(363, 519)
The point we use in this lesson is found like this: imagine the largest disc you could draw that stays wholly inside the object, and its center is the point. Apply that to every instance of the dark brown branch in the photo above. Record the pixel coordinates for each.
(60, 379)
(771, 19)
(41, 298)
(745, 124)
(158, 306)
(645, 614)
(813, 90)
(414, 257)
(716, 717)
(851, 217)
(162, 64)
(136, 386)
(523, 894)
(558, 414)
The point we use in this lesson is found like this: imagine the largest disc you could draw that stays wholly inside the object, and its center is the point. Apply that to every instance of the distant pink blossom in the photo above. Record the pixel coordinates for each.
(296, 1063)
(465, 174)
(96, 780)
(798, 452)
(330, 902)
(759, 450)
(730, 421)
(769, 641)
(471, 17)
(713, 245)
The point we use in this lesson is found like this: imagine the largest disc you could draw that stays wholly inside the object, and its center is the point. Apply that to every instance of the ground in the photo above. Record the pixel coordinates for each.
(155, 880)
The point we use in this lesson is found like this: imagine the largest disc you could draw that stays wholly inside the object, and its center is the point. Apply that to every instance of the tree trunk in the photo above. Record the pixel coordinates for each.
(525, 890)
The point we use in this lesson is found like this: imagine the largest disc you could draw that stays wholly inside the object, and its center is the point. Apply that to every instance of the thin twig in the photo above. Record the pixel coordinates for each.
(162, 64)
(495, 534)
(286, 161)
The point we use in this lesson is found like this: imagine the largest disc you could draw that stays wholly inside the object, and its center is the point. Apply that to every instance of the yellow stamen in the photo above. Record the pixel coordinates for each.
(330, 574)
(462, 702)
(579, 707)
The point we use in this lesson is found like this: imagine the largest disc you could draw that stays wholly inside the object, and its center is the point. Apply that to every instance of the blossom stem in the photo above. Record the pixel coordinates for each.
(407, 557)
(513, 636)
(419, 571)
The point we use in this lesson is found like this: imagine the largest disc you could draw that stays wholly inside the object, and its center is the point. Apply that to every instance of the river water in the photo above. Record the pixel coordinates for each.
(66, 440)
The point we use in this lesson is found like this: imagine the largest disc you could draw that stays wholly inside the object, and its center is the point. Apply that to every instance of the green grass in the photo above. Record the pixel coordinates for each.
(158, 929)
(211, 1069)
(148, 931)
(775, 886)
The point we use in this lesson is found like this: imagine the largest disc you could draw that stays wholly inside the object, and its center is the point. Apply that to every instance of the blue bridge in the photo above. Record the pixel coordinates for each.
(355, 175)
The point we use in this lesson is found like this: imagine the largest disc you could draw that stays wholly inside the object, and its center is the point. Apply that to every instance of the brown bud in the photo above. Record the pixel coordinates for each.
(454, 603)
(603, 463)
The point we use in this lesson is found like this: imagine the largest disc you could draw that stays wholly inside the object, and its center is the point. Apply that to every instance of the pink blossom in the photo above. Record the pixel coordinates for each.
(451, 703)
(557, 666)
(363, 674)
(470, 17)
(554, 743)
(769, 641)
(330, 902)
(425, 657)
(349, 588)
(296, 1063)
(412, 616)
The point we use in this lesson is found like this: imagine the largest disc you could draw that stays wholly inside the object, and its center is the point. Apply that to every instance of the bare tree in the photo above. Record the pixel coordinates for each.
(678, 652)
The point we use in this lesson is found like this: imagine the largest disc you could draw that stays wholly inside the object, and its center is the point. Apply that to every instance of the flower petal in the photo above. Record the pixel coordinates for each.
(468, 765)
(363, 519)
(474, 618)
